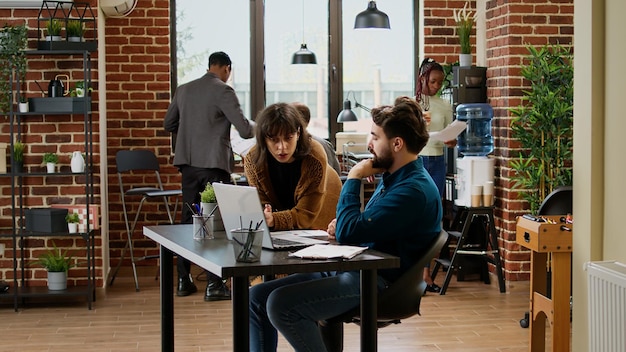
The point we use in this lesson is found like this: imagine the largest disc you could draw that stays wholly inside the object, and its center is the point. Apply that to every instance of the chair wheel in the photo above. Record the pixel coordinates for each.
(525, 321)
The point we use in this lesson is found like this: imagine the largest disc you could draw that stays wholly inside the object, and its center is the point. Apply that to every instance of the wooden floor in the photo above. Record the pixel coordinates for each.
(471, 316)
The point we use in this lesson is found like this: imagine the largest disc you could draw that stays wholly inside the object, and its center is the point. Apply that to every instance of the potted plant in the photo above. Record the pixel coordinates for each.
(464, 23)
(13, 41)
(23, 104)
(18, 156)
(72, 220)
(543, 125)
(50, 159)
(53, 30)
(208, 202)
(57, 264)
(79, 90)
(74, 31)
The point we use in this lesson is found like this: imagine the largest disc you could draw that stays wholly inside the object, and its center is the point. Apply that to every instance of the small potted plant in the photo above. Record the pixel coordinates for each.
(464, 23)
(79, 90)
(53, 30)
(57, 263)
(23, 104)
(208, 202)
(74, 31)
(18, 156)
(51, 160)
(72, 220)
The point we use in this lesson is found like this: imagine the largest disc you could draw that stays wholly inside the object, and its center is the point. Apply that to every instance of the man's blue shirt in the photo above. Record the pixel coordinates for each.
(402, 217)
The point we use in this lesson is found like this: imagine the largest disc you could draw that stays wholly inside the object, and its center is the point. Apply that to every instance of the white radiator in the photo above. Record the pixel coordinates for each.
(607, 306)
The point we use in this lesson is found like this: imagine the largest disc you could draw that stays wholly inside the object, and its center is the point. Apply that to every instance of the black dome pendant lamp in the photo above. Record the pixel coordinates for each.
(372, 18)
(304, 55)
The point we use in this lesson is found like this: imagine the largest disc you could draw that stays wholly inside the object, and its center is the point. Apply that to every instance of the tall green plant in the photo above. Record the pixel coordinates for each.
(13, 40)
(543, 124)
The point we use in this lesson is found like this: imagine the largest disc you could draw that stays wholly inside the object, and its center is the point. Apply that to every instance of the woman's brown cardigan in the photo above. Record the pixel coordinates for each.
(316, 195)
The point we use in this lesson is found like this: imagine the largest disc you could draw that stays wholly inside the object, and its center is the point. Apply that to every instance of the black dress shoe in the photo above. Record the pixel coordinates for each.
(433, 288)
(185, 287)
(216, 290)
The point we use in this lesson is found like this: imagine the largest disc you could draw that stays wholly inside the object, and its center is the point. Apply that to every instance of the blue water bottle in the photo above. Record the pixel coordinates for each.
(477, 139)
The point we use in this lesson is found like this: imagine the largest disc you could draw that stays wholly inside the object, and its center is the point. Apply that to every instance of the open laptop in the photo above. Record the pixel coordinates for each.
(240, 206)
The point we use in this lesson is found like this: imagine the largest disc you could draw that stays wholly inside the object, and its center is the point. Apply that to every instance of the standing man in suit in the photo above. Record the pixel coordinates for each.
(201, 114)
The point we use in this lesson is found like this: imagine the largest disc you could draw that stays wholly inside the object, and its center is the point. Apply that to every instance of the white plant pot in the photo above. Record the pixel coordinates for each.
(75, 39)
(57, 280)
(23, 107)
(465, 60)
(218, 224)
(53, 38)
(72, 227)
(51, 167)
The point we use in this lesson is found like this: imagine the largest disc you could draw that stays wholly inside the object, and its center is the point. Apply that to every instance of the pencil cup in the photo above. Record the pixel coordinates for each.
(203, 227)
(247, 244)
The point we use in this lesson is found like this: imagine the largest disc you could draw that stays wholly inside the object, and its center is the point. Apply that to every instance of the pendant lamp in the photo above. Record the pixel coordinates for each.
(304, 55)
(346, 115)
(372, 18)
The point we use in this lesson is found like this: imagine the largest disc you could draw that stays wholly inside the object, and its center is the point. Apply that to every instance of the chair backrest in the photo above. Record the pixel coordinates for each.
(402, 299)
(135, 160)
(558, 202)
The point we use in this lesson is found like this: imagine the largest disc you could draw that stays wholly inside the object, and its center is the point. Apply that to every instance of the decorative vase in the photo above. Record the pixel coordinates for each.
(57, 280)
(77, 163)
(23, 107)
(465, 60)
(72, 227)
(50, 167)
(218, 224)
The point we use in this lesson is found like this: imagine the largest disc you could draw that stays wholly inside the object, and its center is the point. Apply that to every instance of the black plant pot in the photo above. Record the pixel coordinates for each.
(18, 167)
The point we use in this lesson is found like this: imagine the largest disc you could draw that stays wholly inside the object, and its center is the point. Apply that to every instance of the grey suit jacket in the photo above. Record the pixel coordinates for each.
(201, 114)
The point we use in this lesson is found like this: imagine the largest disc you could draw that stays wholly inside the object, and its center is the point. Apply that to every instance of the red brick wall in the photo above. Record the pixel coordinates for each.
(511, 26)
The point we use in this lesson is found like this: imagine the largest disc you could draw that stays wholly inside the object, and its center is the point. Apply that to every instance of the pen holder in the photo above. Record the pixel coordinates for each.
(247, 245)
(203, 227)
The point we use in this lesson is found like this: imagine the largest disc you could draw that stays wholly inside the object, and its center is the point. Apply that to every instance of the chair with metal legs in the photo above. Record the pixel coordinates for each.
(142, 165)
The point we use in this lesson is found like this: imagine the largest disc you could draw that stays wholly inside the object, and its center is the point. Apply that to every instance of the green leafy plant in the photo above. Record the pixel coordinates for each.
(543, 124)
(208, 195)
(50, 158)
(74, 28)
(53, 27)
(80, 85)
(464, 24)
(18, 151)
(13, 41)
(72, 218)
(55, 260)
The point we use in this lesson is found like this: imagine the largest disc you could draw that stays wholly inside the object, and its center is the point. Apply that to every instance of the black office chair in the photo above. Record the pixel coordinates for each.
(146, 164)
(399, 301)
(558, 202)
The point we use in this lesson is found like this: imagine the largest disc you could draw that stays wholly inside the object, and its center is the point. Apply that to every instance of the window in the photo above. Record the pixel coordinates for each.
(373, 66)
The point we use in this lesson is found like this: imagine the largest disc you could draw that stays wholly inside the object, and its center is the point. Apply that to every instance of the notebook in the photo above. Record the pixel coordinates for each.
(240, 206)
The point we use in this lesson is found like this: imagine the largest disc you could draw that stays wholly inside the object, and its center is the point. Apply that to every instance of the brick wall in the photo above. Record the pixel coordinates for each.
(510, 27)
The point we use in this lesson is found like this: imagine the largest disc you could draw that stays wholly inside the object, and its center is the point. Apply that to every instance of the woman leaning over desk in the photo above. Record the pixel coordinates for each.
(290, 171)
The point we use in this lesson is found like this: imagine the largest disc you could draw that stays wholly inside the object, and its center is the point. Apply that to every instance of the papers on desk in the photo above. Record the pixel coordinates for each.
(450, 132)
(240, 145)
(320, 251)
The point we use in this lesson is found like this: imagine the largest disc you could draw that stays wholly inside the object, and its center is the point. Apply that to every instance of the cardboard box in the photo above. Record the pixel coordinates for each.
(545, 237)
(48, 220)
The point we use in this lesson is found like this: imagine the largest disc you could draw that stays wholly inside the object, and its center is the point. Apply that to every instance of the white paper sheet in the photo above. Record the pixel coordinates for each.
(240, 146)
(450, 132)
(328, 252)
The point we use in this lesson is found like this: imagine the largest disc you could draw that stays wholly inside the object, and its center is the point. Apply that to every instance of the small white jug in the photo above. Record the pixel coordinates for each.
(78, 163)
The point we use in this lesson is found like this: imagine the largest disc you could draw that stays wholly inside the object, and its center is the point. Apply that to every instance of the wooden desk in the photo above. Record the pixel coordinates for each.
(217, 257)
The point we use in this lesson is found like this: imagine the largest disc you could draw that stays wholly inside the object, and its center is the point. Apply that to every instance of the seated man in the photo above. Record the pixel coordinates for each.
(402, 218)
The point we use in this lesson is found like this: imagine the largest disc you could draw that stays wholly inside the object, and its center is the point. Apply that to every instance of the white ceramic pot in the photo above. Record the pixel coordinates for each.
(465, 60)
(57, 280)
(72, 227)
(23, 107)
(75, 39)
(51, 167)
(53, 38)
(218, 224)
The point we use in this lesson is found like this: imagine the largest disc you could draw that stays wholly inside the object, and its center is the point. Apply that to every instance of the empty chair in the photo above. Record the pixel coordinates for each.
(399, 301)
(144, 162)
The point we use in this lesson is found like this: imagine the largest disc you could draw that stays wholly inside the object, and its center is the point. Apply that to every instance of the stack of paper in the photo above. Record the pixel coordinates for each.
(320, 251)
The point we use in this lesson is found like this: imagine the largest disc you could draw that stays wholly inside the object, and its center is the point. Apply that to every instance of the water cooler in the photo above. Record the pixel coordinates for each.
(475, 143)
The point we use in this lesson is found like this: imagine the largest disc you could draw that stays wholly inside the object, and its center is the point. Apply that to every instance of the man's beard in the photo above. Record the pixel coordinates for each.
(383, 161)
